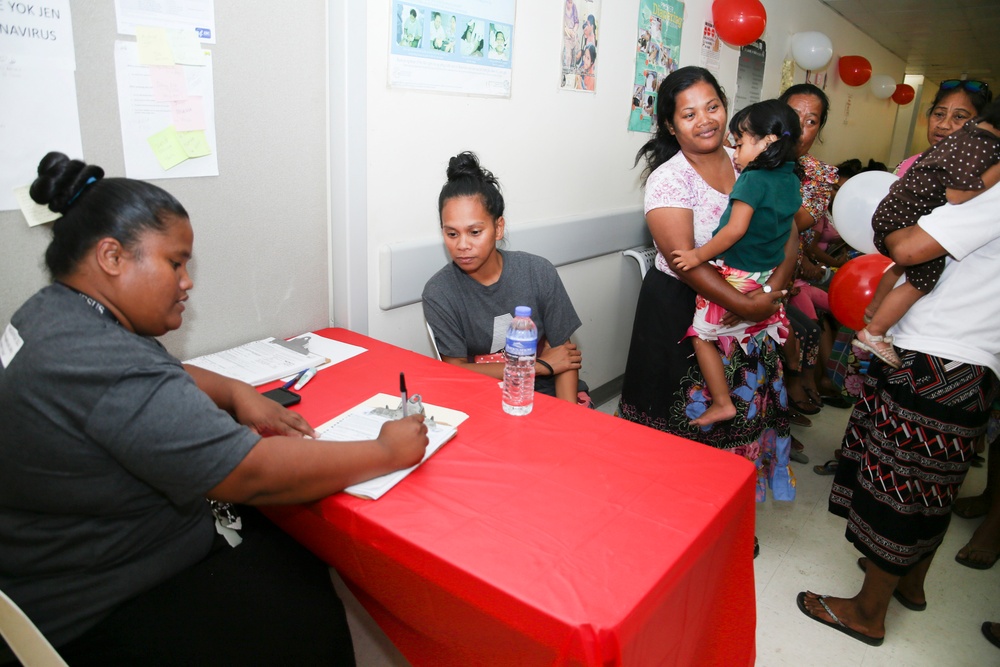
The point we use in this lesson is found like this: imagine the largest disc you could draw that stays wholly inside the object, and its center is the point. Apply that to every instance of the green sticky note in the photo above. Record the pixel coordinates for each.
(195, 144)
(167, 147)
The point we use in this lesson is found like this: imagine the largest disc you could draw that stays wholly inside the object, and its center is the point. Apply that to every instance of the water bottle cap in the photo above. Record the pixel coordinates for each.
(522, 311)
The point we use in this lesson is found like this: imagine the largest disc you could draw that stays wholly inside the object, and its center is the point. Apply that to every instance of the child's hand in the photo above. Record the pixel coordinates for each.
(685, 260)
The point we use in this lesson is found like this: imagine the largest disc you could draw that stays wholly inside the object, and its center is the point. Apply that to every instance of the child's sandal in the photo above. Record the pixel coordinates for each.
(880, 346)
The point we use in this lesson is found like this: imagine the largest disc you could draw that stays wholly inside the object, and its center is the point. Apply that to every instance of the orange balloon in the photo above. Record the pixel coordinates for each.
(854, 70)
(853, 287)
(904, 94)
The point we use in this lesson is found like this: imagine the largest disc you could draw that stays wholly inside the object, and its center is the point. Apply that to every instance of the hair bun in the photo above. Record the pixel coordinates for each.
(61, 180)
(464, 165)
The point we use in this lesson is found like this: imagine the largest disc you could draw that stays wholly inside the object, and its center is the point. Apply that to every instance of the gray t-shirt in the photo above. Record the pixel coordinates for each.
(469, 319)
(107, 448)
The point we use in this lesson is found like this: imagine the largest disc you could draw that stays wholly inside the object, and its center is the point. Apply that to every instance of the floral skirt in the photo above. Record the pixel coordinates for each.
(664, 388)
(905, 454)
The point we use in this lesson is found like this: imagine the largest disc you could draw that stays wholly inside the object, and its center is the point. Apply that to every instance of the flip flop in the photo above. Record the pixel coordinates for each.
(836, 624)
(828, 468)
(805, 407)
(902, 599)
(976, 565)
(988, 633)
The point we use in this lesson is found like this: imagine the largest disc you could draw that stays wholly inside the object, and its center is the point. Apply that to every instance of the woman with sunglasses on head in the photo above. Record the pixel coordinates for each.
(957, 101)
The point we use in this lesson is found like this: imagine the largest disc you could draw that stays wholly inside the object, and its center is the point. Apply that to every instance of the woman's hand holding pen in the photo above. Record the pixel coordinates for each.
(404, 441)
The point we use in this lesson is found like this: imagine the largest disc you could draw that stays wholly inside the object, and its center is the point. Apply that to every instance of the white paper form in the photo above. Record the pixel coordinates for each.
(359, 423)
(39, 115)
(37, 91)
(197, 15)
(145, 121)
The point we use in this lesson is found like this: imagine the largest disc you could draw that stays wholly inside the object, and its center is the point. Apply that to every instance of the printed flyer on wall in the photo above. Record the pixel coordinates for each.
(463, 46)
(657, 48)
(580, 27)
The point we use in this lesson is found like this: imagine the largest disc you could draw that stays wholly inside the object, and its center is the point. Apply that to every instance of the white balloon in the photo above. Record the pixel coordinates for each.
(811, 50)
(883, 86)
(856, 203)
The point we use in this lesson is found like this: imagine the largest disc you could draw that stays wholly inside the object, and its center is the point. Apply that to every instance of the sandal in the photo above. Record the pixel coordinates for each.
(880, 346)
(828, 468)
(805, 407)
(814, 396)
(990, 554)
(798, 419)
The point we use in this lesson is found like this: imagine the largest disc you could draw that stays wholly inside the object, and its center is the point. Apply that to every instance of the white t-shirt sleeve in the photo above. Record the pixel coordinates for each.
(964, 228)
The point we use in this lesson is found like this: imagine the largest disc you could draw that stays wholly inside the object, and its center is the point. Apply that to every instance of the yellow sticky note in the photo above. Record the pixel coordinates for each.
(167, 147)
(195, 143)
(154, 47)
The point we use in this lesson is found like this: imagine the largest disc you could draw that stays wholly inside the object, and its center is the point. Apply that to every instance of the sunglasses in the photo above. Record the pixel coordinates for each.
(970, 85)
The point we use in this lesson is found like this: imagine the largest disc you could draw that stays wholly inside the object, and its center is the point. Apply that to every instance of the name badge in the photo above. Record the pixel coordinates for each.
(10, 344)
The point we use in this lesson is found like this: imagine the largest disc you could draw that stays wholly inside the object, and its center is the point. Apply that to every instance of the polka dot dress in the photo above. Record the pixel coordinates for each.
(958, 162)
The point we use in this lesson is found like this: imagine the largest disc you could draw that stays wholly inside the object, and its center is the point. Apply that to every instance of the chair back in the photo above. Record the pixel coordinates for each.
(24, 639)
(434, 344)
(644, 257)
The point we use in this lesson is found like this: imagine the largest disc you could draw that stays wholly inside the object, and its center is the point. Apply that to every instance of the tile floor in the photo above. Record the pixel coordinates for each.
(803, 547)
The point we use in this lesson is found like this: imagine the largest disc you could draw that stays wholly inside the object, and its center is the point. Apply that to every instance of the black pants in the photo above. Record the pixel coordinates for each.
(268, 601)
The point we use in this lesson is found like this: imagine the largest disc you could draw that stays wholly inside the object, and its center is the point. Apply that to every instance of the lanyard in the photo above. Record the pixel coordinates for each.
(94, 303)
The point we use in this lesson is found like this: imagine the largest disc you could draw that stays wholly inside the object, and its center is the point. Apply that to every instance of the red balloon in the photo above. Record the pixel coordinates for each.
(739, 22)
(853, 287)
(904, 94)
(854, 70)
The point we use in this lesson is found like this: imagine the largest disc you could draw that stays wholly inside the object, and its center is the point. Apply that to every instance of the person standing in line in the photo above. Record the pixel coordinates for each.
(688, 177)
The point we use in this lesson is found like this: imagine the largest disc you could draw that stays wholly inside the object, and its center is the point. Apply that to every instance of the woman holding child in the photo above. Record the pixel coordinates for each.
(689, 175)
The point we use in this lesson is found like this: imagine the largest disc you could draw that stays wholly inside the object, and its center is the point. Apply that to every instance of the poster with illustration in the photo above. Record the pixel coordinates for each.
(580, 27)
(458, 46)
(658, 44)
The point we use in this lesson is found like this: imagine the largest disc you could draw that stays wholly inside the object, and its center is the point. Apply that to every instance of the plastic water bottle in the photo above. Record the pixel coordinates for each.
(519, 370)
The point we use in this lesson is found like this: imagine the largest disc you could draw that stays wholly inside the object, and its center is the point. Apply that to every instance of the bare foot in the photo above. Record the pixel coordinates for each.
(715, 413)
(846, 612)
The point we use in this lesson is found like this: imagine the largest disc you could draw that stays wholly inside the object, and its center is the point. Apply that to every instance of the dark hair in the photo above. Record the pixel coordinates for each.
(94, 207)
(413, 13)
(435, 15)
(809, 89)
(849, 168)
(875, 165)
(663, 145)
(991, 114)
(466, 178)
(592, 51)
(979, 98)
(769, 117)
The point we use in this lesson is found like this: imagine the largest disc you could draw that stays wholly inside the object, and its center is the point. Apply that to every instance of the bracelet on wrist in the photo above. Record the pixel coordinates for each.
(546, 365)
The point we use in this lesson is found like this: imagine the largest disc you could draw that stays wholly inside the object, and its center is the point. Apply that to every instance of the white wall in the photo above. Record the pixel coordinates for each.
(559, 153)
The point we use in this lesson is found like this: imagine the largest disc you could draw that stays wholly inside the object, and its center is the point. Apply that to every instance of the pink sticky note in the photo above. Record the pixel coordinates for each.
(168, 83)
(188, 114)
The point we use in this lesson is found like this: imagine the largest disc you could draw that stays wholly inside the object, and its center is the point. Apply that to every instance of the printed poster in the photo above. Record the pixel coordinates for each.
(657, 48)
(581, 20)
(453, 46)
(750, 74)
(711, 48)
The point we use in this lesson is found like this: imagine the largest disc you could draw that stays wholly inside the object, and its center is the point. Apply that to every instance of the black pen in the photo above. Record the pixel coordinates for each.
(402, 391)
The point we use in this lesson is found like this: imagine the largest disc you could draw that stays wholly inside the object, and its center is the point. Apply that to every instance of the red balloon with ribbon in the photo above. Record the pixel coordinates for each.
(739, 22)
(854, 70)
(853, 287)
(904, 94)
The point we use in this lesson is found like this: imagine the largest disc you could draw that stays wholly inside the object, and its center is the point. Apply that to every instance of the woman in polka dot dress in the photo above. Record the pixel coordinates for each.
(954, 170)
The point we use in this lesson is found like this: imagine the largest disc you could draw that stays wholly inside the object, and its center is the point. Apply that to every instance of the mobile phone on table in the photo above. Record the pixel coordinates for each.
(283, 396)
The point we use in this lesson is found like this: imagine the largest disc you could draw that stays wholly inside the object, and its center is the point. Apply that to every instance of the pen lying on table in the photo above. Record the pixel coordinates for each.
(402, 391)
(307, 375)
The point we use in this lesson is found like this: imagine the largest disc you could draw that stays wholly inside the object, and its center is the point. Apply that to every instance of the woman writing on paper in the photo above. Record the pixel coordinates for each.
(110, 446)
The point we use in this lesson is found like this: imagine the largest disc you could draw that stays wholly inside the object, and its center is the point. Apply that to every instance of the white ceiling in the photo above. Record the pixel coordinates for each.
(941, 39)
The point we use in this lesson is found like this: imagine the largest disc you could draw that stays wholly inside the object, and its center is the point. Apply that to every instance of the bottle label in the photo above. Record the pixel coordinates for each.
(521, 348)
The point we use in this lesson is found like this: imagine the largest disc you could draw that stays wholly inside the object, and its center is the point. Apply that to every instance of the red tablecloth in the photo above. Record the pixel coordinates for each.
(564, 537)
